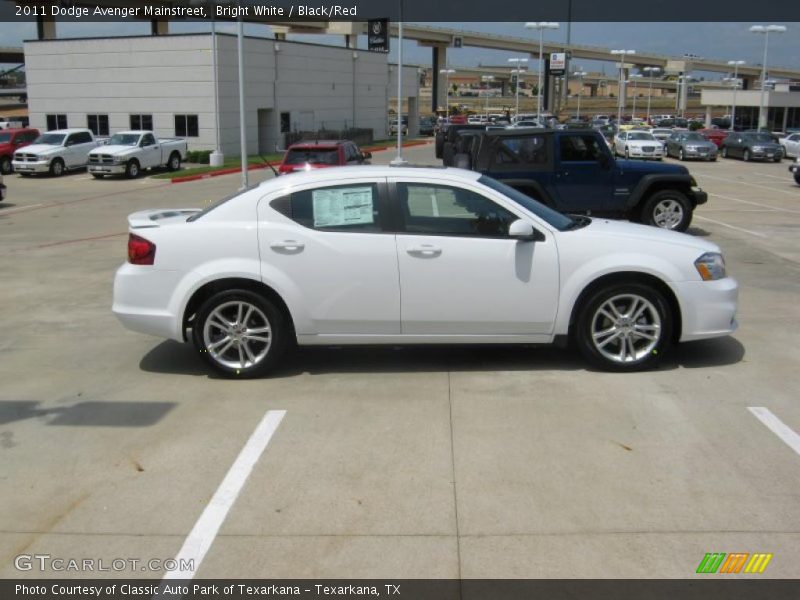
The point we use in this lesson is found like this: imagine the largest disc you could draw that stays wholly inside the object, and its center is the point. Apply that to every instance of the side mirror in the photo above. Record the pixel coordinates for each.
(522, 231)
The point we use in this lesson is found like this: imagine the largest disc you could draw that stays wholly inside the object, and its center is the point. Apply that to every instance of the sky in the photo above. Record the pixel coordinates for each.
(723, 41)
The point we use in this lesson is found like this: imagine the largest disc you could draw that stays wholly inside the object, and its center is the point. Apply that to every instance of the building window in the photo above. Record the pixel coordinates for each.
(286, 122)
(56, 122)
(186, 126)
(142, 122)
(97, 124)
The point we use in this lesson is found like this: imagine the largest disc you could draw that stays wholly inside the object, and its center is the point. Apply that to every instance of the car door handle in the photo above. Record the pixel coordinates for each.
(424, 250)
(287, 245)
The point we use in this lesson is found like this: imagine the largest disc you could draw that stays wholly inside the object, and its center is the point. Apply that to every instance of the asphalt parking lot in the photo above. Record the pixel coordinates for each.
(416, 463)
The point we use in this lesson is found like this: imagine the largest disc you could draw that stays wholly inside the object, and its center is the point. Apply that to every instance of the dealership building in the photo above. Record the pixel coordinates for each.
(781, 103)
(166, 83)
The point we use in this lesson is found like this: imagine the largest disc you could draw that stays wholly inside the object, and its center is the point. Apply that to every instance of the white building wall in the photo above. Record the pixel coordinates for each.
(168, 75)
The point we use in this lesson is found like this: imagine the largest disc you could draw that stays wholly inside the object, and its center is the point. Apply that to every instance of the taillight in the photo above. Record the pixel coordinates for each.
(140, 250)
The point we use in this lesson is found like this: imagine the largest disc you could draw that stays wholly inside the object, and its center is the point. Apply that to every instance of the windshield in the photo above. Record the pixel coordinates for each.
(5, 138)
(694, 137)
(124, 139)
(53, 139)
(318, 156)
(553, 218)
(640, 135)
(662, 131)
(764, 138)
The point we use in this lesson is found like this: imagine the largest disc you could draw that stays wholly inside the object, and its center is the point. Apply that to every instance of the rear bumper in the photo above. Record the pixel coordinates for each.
(708, 308)
(142, 301)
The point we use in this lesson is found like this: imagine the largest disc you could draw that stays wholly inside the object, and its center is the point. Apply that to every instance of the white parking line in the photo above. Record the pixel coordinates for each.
(778, 427)
(205, 530)
(776, 208)
(731, 226)
(755, 185)
(11, 211)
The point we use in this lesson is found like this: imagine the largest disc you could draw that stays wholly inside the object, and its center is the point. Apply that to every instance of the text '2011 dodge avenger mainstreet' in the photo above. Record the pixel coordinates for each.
(383, 255)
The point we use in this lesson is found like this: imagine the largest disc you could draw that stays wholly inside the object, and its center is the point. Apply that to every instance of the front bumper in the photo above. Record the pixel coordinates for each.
(40, 166)
(699, 196)
(703, 154)
(106, 169)
(708, 308)
(657, 153)
(765, 154)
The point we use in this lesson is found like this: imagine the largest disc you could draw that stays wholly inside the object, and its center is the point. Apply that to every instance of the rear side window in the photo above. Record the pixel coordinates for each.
(351, 207)
(529, 150)
(578, 148)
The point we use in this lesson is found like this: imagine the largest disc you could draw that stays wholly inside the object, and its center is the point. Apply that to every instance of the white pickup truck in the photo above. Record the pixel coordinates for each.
(55, 152)
(129, 152)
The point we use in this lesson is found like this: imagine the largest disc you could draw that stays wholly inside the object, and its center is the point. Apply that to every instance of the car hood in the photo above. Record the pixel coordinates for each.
(644, 167)
(768, 145)
(113, 149)
(638, 143)
(644, 235)
(41, 149)
(699, 143)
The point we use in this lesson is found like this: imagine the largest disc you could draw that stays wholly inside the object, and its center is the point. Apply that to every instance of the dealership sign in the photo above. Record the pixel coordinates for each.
(378, 35)
(558, 63)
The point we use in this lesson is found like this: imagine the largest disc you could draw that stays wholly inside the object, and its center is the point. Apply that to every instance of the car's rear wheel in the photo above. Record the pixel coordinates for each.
(240, 333)
(625, 327)
(57, 167)
(174, 161)
(667, 209)
(98, 175)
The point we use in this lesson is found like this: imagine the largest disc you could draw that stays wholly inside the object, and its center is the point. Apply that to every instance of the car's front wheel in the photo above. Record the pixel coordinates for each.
(624, 327)
(57, 167)
(667, 209)
(5, 165)
(240, 333)
(746, 155)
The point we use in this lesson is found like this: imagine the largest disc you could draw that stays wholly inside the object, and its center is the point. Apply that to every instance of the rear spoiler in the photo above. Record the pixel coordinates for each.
(150, 218)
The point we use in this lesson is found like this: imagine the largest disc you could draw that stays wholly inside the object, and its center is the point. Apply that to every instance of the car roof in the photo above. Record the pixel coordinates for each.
(310, 144)
(337, 174)
(69, 131)
(19, 129)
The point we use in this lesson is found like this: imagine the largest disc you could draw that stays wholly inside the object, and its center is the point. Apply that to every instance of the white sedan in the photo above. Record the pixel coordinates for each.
(384, 255)
(791, 145)
(638, 144)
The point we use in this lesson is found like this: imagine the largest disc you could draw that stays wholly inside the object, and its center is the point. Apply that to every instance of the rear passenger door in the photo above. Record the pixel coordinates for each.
(327, 248)
(585, 174)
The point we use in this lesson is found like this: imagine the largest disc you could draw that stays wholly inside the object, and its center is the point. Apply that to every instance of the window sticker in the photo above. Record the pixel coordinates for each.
(343, 206)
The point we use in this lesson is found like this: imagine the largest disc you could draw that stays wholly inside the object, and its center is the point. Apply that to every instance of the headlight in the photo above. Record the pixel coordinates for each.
(118, 159)
(711, 266)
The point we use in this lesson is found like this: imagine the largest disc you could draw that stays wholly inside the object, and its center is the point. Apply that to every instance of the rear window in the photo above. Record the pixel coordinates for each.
(5, 138)
(528, 150)
(314, 156)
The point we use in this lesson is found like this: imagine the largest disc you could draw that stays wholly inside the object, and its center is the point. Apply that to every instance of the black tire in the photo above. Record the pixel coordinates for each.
(439, 145)
(448, 154)
(24, 174)
(174, 162)
(226, 362)
(657, 208)
(627, 154)
(5, 165)
(98, 175)
(778, 158)
(746, 155)
(681, 155)
(132, 169)
(57, 167)
(646, 352)
(724, 152)
(797, 177)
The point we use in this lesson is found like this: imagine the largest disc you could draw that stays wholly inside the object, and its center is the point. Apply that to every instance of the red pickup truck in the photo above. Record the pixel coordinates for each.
(10, 141)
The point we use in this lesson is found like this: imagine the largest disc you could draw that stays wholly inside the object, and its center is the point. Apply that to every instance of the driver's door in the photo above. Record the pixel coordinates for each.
(585, 174)
(150, 152)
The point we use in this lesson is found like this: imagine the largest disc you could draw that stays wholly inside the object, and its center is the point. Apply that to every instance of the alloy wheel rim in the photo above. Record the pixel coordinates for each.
(237, 335)
(668, 214)
(626, 328)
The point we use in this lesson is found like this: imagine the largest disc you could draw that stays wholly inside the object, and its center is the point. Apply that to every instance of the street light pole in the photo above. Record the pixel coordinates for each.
(635, 78)
(735, 64)
(541, 26)
(242, 120)
(621, 80)
(518, 71)
(766, 30)
(580, 75)
(446, 73)
(399, 160)
(650, 71)
(487, 79)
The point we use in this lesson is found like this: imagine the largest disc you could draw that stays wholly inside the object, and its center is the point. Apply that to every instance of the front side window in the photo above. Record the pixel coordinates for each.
(97, 124)
(148, 140)
(186, 126)
(580, 148)
(443, 210)
(352, 207)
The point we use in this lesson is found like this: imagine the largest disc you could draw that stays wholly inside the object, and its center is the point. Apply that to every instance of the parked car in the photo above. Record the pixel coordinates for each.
(795, 169)
(427, 126)
(130, 152)
(14, 123)
(751, 146)
(638, 144)
(574, 171)
(56, 152)
(791, 145)
(12, 140)
(447, 136)
(690, 144)
(307, 260)
(393, 126)
(717, 136)
(305, 156)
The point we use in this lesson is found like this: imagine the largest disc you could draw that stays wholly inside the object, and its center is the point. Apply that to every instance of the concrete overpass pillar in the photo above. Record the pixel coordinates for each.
(708, 117)
(159, 27)
(350, 41)
(748, 82)
(46, 28)
(438, 91)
